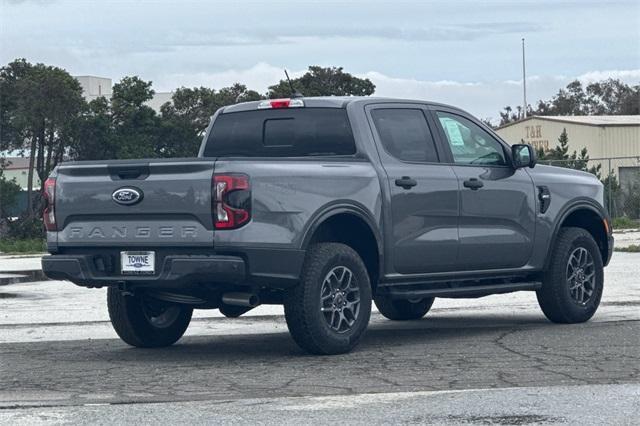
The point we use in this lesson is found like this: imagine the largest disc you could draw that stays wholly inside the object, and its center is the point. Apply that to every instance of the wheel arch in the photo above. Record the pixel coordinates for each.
(587, 215)
(352, 225)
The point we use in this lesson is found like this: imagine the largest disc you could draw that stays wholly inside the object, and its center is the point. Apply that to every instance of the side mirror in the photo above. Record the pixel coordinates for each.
(523, 155)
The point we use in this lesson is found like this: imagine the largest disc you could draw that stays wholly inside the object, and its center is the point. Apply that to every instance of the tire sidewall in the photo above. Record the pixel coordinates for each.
(336, 340)
(573, 309)
(132, 325)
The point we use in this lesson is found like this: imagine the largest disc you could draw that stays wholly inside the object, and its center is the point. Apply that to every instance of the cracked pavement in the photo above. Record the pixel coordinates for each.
(494, 360)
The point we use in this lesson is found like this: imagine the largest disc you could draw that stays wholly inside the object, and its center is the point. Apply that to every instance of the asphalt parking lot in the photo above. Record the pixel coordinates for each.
(494, 360)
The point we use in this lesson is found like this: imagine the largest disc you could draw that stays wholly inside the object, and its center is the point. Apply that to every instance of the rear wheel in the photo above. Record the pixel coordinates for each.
(572, 286)
(329, 310)
(145, 322)
(403, 310)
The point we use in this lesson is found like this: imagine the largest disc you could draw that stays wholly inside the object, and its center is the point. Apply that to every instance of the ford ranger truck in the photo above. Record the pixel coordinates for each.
(325, 205)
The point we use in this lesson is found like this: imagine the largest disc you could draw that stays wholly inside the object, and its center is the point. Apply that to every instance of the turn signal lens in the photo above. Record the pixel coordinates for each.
(49, 214)
(231, 200)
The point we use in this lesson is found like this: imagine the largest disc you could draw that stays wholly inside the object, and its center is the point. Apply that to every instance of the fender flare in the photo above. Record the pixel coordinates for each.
(342, 207)
(578, 204)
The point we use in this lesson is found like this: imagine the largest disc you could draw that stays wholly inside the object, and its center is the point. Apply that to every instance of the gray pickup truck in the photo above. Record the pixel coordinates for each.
(325, 205)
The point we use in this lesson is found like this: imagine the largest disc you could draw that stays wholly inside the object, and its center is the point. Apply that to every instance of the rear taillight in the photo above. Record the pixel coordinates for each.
(231, 200)
(281, 103)
(49, 214)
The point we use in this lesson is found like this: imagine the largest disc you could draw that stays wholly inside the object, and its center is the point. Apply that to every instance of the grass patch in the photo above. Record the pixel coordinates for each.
(633, 248)
(28, 246)
(624, 223)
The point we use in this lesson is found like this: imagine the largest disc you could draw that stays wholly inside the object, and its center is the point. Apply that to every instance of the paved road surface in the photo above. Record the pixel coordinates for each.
(494, 360)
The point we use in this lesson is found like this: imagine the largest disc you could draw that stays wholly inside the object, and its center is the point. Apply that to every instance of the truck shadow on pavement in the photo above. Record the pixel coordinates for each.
(381, 336)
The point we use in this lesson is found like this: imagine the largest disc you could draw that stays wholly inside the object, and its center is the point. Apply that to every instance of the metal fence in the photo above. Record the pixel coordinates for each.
(620, 177)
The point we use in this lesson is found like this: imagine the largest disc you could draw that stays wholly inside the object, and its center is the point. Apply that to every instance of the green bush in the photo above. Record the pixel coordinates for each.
(625, 223)
(9, 190)
(32, 245)
(26, 228)
(633, 248)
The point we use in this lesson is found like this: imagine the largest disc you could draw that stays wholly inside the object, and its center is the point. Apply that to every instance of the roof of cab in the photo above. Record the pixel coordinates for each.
(331, 102)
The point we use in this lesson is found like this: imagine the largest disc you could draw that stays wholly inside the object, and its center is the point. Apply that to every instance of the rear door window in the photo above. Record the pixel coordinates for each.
(292, 132)
(405, 134)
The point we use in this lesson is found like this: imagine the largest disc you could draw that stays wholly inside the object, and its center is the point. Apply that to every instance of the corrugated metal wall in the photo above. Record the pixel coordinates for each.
(600, 141)
(620, 141)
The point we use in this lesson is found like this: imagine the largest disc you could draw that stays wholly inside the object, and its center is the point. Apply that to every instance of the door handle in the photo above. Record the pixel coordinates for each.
(473, 184)
(406, 182)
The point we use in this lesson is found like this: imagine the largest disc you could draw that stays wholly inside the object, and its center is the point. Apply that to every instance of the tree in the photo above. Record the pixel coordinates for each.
(612, 194)
(9, 190)
(319, 81)
(120, 128)
(38, 107)
(507, 115)
(560, 156)
(186, 117)
(95, 133)
(612, 97)
(236, 94)
(607, 97)
(631, 200)
(135, 125)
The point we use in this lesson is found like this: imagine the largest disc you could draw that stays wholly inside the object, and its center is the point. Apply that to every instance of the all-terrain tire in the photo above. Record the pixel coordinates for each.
(555, 297)
(403, 310)
(133, 319)
(311, 327)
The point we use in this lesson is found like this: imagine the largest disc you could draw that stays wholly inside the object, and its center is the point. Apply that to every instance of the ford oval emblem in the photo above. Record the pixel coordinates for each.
(127, 196)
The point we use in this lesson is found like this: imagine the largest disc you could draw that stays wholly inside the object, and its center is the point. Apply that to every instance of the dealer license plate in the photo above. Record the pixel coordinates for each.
(138, 262)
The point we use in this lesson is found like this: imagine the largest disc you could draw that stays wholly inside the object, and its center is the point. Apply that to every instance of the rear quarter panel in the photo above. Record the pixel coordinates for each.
(288, 194)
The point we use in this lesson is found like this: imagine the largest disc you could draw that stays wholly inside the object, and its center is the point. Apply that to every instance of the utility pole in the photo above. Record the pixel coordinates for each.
(524, 83)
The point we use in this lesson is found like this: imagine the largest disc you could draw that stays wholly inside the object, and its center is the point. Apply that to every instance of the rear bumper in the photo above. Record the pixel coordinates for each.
(254, 267)
(175, 271)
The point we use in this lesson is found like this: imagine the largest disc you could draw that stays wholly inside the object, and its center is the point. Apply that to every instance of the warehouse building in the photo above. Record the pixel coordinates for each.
(93, 87)
(611, 140)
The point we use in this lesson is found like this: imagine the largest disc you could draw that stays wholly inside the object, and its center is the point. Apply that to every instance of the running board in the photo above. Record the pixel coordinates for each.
(470, 290)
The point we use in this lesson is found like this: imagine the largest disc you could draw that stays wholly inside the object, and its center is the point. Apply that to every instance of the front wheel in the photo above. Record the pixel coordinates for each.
(329, 310)
(145, 322)
(572, 286)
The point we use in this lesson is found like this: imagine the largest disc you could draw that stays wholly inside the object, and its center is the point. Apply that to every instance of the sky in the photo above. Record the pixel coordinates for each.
(466, 53)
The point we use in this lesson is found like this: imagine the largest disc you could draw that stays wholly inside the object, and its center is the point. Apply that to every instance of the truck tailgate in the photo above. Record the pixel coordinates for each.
(173, 207)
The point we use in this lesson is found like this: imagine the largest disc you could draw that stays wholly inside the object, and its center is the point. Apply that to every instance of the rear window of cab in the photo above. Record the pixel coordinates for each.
(283, 132)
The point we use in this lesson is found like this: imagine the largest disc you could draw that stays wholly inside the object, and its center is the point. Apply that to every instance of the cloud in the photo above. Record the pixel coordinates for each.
(258, 77)
(482, 98)
(290, 34)
(486, 99)
(625, 75)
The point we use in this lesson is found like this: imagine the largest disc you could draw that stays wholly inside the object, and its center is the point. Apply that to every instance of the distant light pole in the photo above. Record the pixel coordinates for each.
(524, 82)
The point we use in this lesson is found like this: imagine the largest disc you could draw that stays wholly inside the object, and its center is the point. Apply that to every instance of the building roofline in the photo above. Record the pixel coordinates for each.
(92, 76)
(558, 119)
